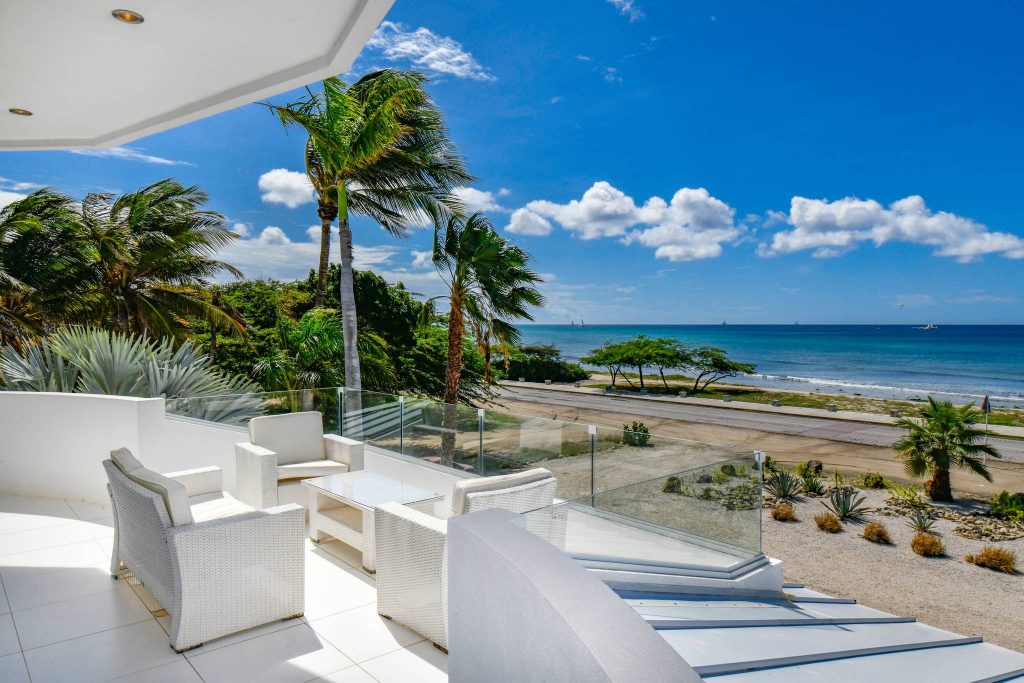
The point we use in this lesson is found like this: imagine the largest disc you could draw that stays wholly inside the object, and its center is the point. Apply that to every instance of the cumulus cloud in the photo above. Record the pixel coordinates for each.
(628, 8)
(17, 185)
(9, 197)
(422, 259)
(130, 154)
(480, 200)
(241, 229)
(833, 228)
(611, 75)
(526, 222)
(281, 186)
(427, 51)
(693, 225)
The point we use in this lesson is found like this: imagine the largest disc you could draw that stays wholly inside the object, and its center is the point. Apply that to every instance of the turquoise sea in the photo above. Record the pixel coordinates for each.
(961, 362)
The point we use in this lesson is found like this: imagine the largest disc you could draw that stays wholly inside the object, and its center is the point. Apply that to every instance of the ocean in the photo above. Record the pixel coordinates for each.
(957, 362)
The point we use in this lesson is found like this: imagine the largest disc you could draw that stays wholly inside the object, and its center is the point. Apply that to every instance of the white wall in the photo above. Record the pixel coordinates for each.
(52, 444)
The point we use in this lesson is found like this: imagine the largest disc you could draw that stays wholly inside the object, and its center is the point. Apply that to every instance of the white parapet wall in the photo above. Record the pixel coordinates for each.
(52, 444)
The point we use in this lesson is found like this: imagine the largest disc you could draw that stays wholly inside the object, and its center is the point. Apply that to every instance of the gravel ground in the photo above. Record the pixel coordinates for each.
(945, 592)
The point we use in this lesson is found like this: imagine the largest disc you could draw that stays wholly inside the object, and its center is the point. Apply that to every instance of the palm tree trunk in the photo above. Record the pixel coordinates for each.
(452, 375)
(488, 374)
(215, 300)
(327, 214)
(938, 487)
(349, 327)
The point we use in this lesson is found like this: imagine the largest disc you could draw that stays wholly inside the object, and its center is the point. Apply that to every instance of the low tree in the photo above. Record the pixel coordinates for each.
(664, 353)
(608, 356)
(539, 362)
(944, 438)
(711, 364)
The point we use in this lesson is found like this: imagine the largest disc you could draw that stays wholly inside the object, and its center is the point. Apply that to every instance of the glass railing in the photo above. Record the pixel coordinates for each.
(708, 516)
(612, 471)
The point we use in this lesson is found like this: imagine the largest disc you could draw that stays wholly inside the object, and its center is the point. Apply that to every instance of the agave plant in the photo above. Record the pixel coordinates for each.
(921, 522)
(813, 485)
(845, 504)
(782, 485)
(93, 361)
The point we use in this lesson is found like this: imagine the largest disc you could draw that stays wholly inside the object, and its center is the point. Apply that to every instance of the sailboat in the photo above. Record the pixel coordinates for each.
(930, 326)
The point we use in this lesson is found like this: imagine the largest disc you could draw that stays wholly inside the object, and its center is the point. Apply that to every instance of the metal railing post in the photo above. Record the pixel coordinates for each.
(480, 450)
(401, 425)
(592, 432)
(341, 411)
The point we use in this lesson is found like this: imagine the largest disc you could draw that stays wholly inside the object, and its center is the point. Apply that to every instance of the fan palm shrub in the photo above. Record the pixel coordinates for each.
(93, 361)
(945, 437)
(486, 276)
(377, 148)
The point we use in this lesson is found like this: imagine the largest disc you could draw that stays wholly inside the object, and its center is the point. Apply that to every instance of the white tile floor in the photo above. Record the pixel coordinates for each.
(62, 618)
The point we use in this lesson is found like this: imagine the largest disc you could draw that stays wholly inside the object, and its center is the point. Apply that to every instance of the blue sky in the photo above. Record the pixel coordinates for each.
(673, 162)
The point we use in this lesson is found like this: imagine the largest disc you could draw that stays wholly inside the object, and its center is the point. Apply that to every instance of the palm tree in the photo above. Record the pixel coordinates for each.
(945, 438)
(378, 148)
(488, 278)
(153, 249)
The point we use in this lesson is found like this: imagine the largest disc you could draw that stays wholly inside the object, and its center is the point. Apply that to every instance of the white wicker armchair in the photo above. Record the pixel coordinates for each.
(412, 548)
(215, 564)
(285, 449)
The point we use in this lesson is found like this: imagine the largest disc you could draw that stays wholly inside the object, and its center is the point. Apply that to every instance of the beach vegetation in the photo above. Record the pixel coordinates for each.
(719, 477)
(784, 512)
(378, 148)
(783, 485)
(873, 480)
(539, 362)
(636, 434)
(994, 558)
(828, 522)
(945, 437)
(710, 364)
(769, 465)
(921, 522)
(729, 470)
(1008, 507)
(905, 495)
(847, 505)
(927, 545)
(876, 533)
(672, 485)
(809, 467)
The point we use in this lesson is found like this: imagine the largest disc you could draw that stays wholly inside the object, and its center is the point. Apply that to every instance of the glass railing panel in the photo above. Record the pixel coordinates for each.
(238, 409)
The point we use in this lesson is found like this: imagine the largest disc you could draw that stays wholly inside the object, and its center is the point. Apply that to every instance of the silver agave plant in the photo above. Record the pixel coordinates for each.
(94, 361)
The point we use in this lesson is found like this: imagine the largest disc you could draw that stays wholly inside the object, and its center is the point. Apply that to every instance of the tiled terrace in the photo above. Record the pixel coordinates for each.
(62, 617)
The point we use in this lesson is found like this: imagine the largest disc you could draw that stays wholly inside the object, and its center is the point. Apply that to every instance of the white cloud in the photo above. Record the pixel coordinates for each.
(281, 186)
(422, 259)
(611, 75)
(526, 222)
(241, 229)
(480, 200)
(831, 229)
(9, 197)
(693, 225)
(584, 58)
(628, 8)
(556, 99)
(17, 186)
(130, 154)
(427, 50)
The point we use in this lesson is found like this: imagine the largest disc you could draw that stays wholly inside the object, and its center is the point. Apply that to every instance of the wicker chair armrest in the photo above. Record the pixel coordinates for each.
(412, 569)
(344, 450)
(199, 481)
(255, 475)
(236, 572)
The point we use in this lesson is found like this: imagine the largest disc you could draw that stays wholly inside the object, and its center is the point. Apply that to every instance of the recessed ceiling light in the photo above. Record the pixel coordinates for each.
(127, 16)
(20, 112)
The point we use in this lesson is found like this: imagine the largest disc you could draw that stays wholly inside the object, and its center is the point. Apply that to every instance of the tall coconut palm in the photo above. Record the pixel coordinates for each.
(153, 248)
(488, 278)
(377, 148)
(944, 438)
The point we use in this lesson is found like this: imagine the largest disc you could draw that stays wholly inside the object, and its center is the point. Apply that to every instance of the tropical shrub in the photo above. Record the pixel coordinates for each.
(1008, 506)
(672, 485)
(784, 512)
(927, 545)
(994, 558)
(921, 522)
(537, 363)
(909, 495)
(838, 482)
(636, 434)
(782, 485)
(729, 470)
(809, 468)
(719, 477)
(813, 486)
(873, 480)
(846, 505)
(92, 361)
(828, 523)
(769, 465)
(876, 533)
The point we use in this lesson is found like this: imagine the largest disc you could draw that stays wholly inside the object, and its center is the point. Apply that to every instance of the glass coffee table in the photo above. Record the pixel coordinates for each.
(341, 506)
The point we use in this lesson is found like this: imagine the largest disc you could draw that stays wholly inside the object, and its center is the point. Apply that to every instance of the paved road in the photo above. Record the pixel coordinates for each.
(797, 425)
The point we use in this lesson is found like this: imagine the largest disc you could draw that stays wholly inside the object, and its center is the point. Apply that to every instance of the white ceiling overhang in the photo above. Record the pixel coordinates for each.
(93, 81)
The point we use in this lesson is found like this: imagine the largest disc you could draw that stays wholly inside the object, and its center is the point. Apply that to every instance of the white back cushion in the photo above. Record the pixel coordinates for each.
(504, 481)
(295, 437)
(173, 493)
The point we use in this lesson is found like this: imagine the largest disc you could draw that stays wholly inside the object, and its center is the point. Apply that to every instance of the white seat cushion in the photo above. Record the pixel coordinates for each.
(216, 505)
(295, 437)
(174, 493)
(124, 460)
(305, 470)
(504, 481)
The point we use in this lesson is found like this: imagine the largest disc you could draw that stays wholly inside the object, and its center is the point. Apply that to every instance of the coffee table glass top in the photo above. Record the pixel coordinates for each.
(369, 489)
